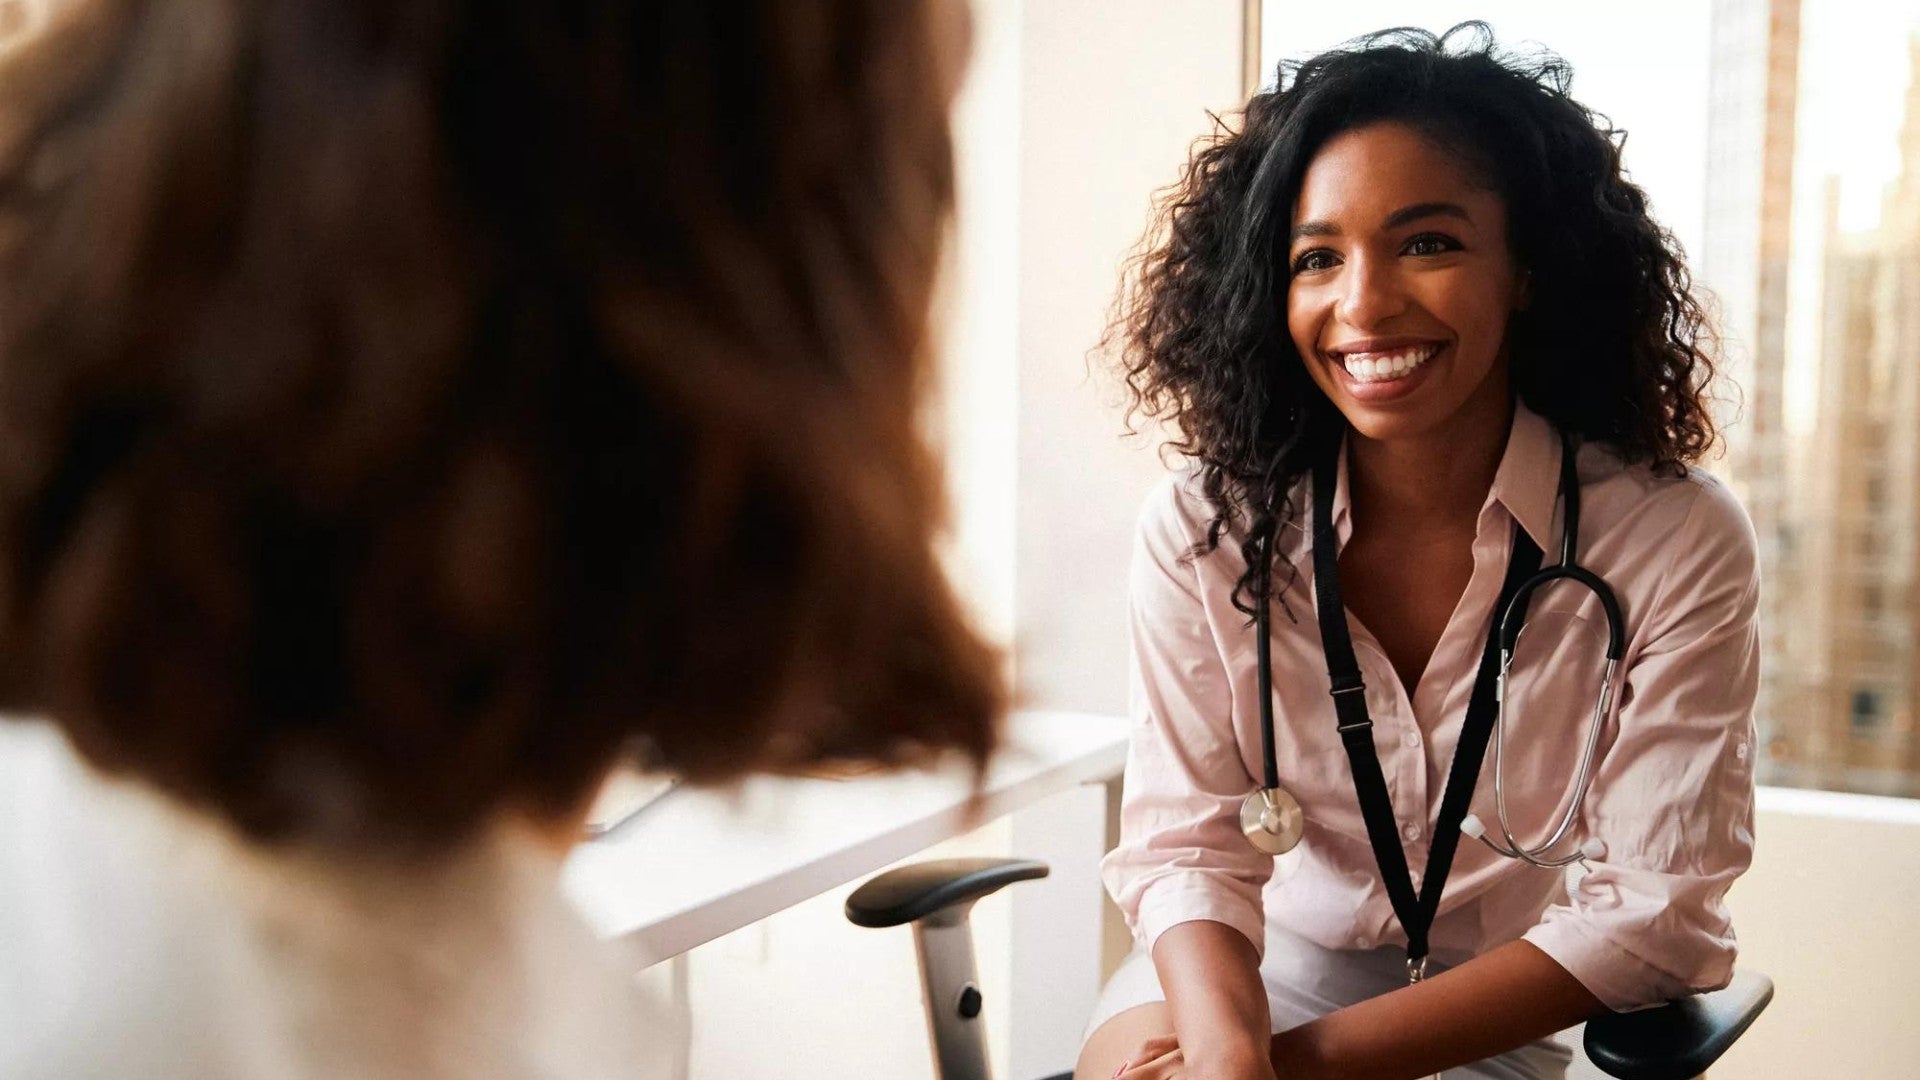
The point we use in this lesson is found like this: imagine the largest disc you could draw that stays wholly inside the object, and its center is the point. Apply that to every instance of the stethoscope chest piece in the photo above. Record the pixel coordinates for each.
(1272, 820)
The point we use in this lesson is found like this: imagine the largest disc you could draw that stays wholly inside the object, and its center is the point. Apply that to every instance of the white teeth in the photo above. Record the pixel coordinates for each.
(1386, 366)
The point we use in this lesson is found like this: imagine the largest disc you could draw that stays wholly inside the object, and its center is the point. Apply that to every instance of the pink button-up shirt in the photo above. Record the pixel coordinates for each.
(1672, 792)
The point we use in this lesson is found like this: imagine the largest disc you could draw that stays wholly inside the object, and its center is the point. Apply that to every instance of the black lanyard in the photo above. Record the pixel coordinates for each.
(1416, 913)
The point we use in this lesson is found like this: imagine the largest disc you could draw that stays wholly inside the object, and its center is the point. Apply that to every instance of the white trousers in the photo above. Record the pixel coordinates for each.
(1306, 981)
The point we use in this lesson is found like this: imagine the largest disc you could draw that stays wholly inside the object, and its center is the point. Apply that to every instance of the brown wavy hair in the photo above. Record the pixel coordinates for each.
(407, 410)
(1614, 345)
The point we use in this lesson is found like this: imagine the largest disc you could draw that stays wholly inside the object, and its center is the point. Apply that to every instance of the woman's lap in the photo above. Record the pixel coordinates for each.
(1305, 981)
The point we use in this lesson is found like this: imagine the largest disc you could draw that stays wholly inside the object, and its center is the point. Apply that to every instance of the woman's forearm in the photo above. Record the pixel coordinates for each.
(1211, 976)
(1486, 1006)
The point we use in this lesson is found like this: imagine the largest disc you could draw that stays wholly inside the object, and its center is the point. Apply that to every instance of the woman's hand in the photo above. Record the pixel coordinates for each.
(1162, 1059)
(1217, 1005)
(1156, 1059)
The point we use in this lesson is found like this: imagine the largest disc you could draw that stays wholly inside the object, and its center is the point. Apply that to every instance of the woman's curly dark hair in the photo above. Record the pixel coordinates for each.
(1612, 347)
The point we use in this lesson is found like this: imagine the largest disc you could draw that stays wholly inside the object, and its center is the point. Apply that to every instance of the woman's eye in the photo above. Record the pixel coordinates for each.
(1317, 259)
(1432, 244)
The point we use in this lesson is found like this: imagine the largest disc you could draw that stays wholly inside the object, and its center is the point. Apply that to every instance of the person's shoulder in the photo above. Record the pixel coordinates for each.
(1177, 505)
(1174, 521)
(1717, 531)
(1685, 506)
(1713, 502)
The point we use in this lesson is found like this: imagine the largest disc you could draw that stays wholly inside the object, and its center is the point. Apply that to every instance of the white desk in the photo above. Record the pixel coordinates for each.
(700, 864)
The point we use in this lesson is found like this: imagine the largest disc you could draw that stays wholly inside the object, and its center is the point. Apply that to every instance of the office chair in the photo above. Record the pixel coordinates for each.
(1676, 1041)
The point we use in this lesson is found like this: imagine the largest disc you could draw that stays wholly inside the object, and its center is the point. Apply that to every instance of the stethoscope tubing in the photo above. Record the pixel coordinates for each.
(1510, 629)
(1265, 657)
(1539, 855)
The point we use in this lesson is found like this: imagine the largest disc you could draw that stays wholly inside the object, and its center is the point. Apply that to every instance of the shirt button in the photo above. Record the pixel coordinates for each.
(1409, 739)
(1410, 831)
(1363, 942)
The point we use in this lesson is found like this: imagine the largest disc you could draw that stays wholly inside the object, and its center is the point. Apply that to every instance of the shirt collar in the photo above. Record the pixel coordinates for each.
(1526, 485)
(1296, 543)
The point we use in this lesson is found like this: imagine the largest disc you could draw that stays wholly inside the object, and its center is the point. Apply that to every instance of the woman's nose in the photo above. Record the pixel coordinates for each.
(1371, 293)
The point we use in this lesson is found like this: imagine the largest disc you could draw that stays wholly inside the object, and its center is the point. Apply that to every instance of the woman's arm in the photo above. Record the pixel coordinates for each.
(1211, 976)
(1486, 1006)
(1672, 799)
(1184, 876)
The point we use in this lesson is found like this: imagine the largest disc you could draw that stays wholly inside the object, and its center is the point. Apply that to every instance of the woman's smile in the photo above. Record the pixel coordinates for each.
(1380, 370)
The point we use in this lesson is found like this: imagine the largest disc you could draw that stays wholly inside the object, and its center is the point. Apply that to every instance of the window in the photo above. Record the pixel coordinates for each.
(1864, 717)
(1780, 141)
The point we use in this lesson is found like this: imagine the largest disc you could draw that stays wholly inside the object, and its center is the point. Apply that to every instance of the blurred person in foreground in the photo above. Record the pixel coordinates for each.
(408, 412)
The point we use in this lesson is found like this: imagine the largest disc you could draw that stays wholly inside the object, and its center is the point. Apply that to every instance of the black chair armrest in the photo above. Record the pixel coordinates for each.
(1680, 1039)
(914, 892)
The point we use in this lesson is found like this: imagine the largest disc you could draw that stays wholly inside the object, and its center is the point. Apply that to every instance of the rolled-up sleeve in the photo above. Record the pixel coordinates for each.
(1181, 857)
(1672, 797)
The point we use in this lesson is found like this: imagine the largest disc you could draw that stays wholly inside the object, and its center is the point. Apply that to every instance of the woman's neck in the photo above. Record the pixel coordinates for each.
(1437, 479)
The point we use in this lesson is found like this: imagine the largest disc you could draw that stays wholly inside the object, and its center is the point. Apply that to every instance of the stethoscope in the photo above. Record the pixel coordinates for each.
(1272, 819)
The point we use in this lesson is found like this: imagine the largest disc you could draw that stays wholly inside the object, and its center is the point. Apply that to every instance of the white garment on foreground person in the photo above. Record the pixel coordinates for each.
(138, 939)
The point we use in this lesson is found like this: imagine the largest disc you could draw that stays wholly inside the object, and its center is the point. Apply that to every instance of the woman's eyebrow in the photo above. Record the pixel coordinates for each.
(1403, 216)
(1409, 214)
(1313, 228)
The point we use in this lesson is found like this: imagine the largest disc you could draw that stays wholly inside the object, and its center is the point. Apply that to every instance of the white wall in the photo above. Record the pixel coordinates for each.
(978, 316)
(1829, 911)
(1115, 91)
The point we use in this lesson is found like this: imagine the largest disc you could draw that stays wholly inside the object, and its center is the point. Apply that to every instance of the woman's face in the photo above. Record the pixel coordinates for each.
(1401, 284)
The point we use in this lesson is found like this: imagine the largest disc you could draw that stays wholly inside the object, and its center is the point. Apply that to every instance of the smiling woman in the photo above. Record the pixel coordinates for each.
(1394, 289)
(1416, 292)
(1204, 345)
